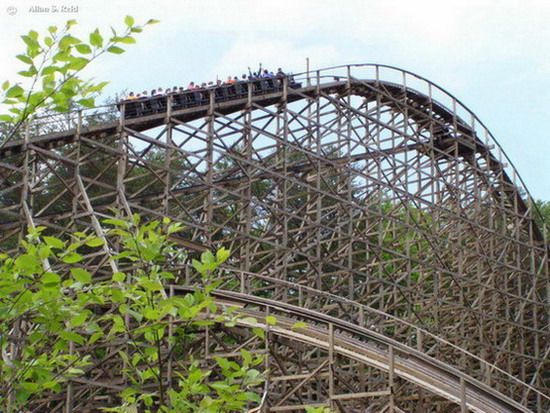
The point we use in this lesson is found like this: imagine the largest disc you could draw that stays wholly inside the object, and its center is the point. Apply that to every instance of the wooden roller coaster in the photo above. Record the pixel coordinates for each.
(362, 200)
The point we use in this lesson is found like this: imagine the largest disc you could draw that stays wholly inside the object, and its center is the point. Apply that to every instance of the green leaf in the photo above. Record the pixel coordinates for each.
(94, 242)
(52, 384)
(151, 314)
(79, 319)
(81, 275)
(97, 88)
(61, 57)
(50, 278)
(6, 118)
(29, 386)
(125, 254)
(127, 40)
(95, 337)
(96, 39)
(119, 277)
(199, 267)
(24, 58)
(69, 40)
(54, 242)
(130, 391)
(27, 262)
(31, 43)
(48, 70)
(222, 255)
(27, 73)
(152, 21)
(117, 222)
(83, 48)
(73, 246)
(52, 29)
(129, 20)
(204, 323)
(78, 63)
(299, 324)
(72, 257)
(5, 85)
(88, 103)
(115, 50)
(15, 92)
(252, 374)
(71, 336)
(271, 320)
(152, 286)
(247, 357)
(249, 320)
(253, 397)
(218, 385)
(208, 258)
(35, 336)
(44, 252)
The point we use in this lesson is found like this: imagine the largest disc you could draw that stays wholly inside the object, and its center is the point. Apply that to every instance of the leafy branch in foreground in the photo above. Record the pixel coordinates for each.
(40, 319)
(143, 302)
(52, 74)
(55, 318)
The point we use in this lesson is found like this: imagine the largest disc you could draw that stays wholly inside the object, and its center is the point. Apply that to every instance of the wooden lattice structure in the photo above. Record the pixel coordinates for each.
(364, 200)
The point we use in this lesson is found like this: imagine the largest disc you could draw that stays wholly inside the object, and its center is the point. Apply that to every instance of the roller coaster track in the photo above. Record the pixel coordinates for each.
(419, 132)
(468, 140)
(368, 347)
(353, 341)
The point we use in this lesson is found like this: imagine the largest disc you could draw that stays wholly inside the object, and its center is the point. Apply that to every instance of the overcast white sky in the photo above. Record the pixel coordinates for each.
(492, 55)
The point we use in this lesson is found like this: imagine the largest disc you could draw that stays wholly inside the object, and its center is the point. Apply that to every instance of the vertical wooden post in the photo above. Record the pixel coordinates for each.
(419, 347)
(285, 161)
(210, 173)
(307, 70)
(267, 356)
(243, 282)
(170, 345)
(70, 390)
(168, 155)
(391, 380)
(463, 408)
(331, 364)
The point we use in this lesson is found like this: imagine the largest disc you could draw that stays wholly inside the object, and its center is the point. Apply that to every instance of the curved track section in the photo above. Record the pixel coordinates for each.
(360, 344)
(368, 183)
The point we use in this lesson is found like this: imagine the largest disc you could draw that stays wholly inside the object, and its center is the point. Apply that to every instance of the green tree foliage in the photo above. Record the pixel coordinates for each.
(544, 208)
(54, 62)
(53, 321)
(39, 317)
